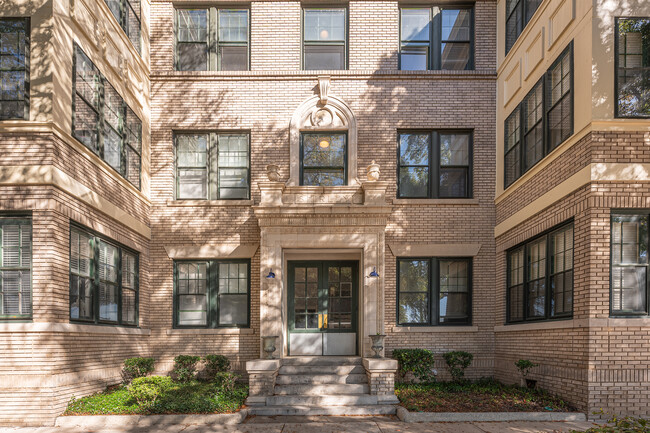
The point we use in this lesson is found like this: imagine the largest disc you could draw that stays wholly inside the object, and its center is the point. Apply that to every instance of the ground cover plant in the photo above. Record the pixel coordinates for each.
(485, 395)
(617, 424)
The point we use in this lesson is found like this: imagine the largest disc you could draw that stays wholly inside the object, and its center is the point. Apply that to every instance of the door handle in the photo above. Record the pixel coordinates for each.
(322, 321)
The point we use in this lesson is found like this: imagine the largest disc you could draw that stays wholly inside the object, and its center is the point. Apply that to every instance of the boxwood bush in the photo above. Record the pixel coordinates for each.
(215, 364)
(185, 368)
(419, 362)
(147, 390)
(137, 367)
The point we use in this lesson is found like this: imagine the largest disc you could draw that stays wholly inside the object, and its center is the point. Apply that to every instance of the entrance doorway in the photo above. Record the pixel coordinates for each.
(323, 307)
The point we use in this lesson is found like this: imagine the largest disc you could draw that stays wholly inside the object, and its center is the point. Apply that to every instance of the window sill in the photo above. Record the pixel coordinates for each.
(210, 331)
(433, 329)
(198, 203)
(541, 325)
(77, 328)
(437, 201)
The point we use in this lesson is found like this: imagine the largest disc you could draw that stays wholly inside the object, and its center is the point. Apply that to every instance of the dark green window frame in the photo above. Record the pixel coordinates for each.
(16, 304)
(434, 166)
(433, 45)
(214, 43)
(94, 274)
(128, 15)
(213, 297)
(629, 90)
(344, 168)
(434, 291)
(623, 270)
(12, 66)
(318, 43)
(556, 122)
(106, 120)
(212, 168)
(518, 14)
(527, 278)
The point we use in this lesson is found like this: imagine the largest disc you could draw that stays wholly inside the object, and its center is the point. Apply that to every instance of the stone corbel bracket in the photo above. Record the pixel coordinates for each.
(375, 193)
(271, 193)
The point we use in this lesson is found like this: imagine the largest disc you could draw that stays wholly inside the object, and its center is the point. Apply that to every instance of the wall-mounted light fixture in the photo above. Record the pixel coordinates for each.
(374, 273)
(271, 274)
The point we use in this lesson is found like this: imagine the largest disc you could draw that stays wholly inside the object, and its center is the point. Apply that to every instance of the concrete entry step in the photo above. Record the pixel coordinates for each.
(321, 360)
(324, 389)
(322, 369)
(317, 410)
(304, 379)
(321, 400)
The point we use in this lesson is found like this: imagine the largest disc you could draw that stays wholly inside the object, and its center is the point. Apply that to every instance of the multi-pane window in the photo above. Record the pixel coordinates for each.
(633, 67)
(212, 294)
(103, 280)
(542, 121)
(437, 38)
(324, 41)
(211, 39)
(434, 291)
(127, 13)
(15, 268)
(212, 166)
(518, 14)
(629, 257)
(434, 164)
(103, 122)
(323, 158)
(540, 277)
(14, 68)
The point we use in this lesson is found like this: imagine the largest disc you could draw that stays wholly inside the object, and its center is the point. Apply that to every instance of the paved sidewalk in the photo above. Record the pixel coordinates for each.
(333, 424)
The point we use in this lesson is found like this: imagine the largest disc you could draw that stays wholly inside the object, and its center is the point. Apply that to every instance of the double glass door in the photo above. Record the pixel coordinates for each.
(323, 305)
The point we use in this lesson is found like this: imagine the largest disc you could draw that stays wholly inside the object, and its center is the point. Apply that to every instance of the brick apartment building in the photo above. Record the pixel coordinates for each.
(187, 177)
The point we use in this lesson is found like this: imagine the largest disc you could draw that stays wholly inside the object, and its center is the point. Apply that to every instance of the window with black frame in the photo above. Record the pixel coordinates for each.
(540, 277)
(212, 293)
(103, 122)
(433, 291)
(632, 61)
(323, 159)
(437, 38)
(15, 267)
(324, 42)
(128, 15)
(542, 121)
(518, 14)
(212, 39)
(434, 164)
(103, 280)
(629, 264)
(212, 166)
(14, 68)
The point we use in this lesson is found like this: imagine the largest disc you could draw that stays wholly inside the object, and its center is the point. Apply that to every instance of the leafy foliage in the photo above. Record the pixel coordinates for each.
(215, 364)
(224, 381)
(137, 367)
(485, 395)
(420, 362)
(620, 425)
(185, 367)
(524, 366)
(147, 390)
(457, 362)
(117, 400)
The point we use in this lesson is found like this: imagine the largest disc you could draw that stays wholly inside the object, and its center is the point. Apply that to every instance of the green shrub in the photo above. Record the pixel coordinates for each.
(185, 367)
(420, 362)
(524, 366)
(620, 425)
(147, 390)
(224, 381)
(215, 364)
(457, 361)
(137, 367)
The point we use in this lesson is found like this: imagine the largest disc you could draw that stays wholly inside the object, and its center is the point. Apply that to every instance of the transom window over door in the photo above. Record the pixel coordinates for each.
(212, 166)
(323, 159)
(633, 67)
(437, 38)
(324, 38)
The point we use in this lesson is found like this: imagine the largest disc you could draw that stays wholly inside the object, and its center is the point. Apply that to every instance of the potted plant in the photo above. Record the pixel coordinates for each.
(377, 343)
(524, 366)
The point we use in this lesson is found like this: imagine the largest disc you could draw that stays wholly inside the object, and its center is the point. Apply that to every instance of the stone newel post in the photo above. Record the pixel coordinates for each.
(261, 379)
(381, 378)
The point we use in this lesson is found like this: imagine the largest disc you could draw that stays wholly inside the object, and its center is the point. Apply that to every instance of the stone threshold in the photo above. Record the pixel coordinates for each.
(137, 421)
(404, 415)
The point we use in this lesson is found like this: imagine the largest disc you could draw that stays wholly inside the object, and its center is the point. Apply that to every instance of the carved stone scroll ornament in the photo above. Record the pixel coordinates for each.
(323, 88)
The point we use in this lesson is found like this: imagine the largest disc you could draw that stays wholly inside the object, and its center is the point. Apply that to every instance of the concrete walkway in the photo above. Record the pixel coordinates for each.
(333, 424)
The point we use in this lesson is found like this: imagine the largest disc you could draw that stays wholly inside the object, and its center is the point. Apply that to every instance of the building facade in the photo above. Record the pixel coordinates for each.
(188, 177)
